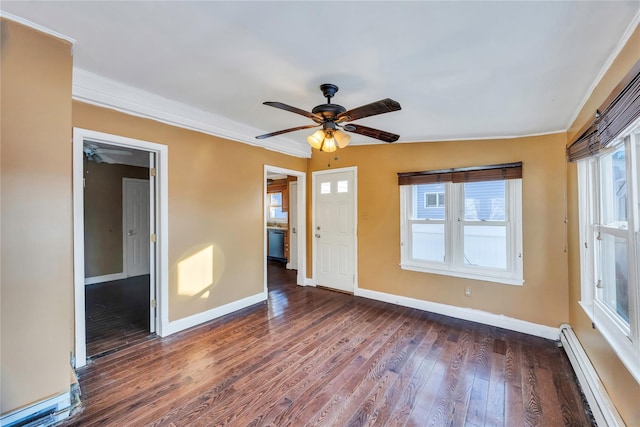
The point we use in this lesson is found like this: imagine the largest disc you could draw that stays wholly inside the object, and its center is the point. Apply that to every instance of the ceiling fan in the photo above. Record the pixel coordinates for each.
(332, 116)
(96, 154)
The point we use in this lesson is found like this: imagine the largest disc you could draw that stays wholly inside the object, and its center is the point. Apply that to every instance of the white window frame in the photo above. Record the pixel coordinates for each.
(269, 206)
(437, 194)
(453, 264)
(624, 340)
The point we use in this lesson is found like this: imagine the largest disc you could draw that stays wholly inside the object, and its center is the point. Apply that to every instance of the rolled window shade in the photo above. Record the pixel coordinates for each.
(470, 174)
(586, 146)
(620, 110)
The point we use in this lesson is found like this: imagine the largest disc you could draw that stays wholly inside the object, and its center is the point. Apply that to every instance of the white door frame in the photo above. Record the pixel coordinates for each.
(302, 224)
(162, 230)
(292, 238)
(314, 176)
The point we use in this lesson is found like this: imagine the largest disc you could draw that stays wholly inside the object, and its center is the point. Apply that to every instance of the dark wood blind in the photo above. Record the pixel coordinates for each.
(470, 174)
(620, 110)
(586, 146)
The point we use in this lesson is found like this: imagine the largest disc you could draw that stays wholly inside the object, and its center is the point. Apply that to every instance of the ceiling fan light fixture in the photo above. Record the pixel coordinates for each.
(329, 145)
(315, 140)
(342, 138)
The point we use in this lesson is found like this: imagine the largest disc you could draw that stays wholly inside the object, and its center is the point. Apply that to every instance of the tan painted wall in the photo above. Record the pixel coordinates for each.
(543, 299)
(37, 259)
(215, 206)
(103, 215)
(624, 390)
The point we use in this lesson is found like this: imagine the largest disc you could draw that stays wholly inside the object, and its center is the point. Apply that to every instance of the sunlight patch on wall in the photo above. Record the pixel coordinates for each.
(200, 272)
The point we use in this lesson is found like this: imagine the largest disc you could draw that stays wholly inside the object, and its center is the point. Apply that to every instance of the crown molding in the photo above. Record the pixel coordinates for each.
(37, 27)
(96, 90)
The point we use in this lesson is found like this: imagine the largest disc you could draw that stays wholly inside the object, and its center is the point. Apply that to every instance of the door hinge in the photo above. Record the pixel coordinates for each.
(152, 171)
(154, 303)
(153, 238)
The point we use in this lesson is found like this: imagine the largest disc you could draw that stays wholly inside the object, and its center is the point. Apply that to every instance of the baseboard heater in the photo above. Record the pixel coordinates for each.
(43, 414)
(602, 407)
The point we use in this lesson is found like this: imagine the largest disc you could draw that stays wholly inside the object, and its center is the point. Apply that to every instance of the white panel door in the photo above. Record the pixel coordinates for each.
(135, 226)
(293, 226)
(335, 230)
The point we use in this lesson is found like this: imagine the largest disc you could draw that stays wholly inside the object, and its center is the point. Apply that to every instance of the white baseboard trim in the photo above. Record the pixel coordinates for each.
(473, 315)
(105, 278)
(602, 407)
(205, 316)
(44, 413)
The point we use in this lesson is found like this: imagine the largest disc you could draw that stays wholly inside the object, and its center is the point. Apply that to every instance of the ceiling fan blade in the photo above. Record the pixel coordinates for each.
(105, 158)
(316, 118)
(386, 105)
(267, 135)
(372, 133)
(109, 151)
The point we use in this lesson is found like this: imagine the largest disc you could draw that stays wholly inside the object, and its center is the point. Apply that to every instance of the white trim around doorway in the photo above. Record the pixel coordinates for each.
(302, 223)
(162, 231)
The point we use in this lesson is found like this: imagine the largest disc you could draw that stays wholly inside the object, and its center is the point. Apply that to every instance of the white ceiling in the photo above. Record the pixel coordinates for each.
(460, 70)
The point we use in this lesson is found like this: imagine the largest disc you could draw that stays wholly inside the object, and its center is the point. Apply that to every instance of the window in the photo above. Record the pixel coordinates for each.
(468, 226)
(608, 188)
(434, 200)
(274, 202)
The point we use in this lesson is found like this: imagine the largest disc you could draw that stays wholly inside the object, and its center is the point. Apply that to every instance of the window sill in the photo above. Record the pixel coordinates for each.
(588, 308)
(617, 339)
(465, 275)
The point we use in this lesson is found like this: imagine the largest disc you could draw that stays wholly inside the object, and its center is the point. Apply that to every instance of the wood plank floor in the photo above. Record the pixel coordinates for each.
(321, 358)
(116, 315)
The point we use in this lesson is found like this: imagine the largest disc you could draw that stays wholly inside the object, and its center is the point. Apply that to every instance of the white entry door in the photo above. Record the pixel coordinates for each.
(135, 226)
(293, 226)
(335, 229)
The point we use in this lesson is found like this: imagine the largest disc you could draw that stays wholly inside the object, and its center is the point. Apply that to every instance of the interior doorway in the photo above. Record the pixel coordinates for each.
(120, 264)
(117, 213)
(284, 234)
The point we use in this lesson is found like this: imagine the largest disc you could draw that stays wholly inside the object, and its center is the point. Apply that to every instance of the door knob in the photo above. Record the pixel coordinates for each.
(318, 236)
(130, 233)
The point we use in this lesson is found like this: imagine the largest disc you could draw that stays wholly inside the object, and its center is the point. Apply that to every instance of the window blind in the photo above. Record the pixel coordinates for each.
(470, 174)
(620, 111)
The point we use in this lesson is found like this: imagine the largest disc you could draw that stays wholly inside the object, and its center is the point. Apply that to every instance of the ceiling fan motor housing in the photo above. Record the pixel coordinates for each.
(328, 111)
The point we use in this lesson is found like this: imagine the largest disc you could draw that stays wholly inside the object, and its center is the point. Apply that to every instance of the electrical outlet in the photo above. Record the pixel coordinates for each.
(467, 292)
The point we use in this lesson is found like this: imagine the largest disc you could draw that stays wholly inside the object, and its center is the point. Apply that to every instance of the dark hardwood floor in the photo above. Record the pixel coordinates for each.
(321, 358)
(116, 315)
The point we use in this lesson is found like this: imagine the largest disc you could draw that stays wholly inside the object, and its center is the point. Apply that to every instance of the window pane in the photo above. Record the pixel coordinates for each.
(325, 188)
(615, 289)
(613, 179)
(275, 199)
(485, 246)
(429, 201)
(343, 186)
(428, 242)
(484, 201)
(276, 213)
